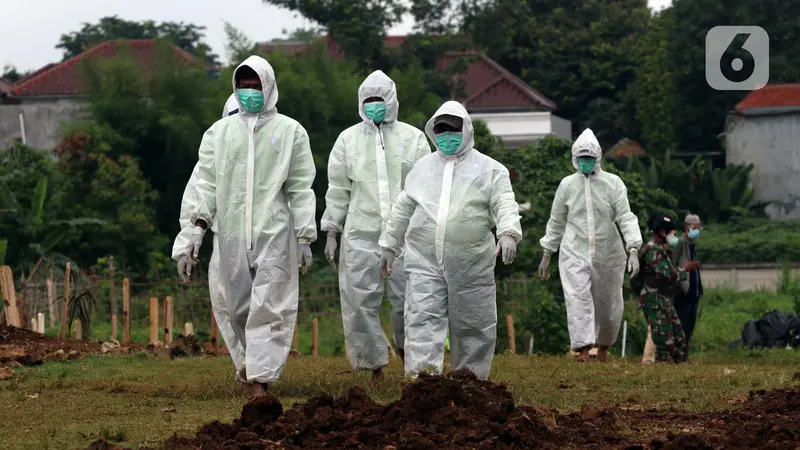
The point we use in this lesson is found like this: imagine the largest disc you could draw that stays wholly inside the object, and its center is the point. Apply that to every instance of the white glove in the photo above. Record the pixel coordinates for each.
(387, 259)
(184, 268)
(544, 266)
(330, 249)
(195, 241)
(304, 256)
(508, 246)
(633, 262)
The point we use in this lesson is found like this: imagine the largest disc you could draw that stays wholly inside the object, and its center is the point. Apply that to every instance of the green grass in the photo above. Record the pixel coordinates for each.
(139, 400)
(723, 313)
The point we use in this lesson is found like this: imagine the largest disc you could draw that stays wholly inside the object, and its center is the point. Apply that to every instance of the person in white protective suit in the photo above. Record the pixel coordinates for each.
(587, 208)
(366, 171)
(218, 304)
(254, 183)
(444, 216)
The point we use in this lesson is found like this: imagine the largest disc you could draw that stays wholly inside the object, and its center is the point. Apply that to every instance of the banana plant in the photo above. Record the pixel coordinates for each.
(41, 233)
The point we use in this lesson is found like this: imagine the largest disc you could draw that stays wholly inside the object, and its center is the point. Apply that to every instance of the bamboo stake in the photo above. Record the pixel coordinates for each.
(512, 341)
(63, 330)
(314, 337)
(188, 329)
(168, 320)
(35, 324)
(112, 293)
(126, 310)
(51, 301)
(9, 297)
(153, 320)
(41, 323)
(78, 329)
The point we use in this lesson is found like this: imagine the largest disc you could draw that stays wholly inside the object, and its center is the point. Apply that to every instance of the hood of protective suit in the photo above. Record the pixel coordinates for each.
(378, 84)
(268, 85)
(586, 145)
(231, 106)
(453, 108)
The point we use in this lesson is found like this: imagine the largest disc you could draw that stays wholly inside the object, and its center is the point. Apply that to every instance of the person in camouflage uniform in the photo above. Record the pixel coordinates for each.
(661, 281)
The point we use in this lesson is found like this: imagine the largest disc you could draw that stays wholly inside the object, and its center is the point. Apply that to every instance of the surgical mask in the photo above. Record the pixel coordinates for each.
(694, 233)
(449, 142)
(375, 111)
(586, 165)
(672, 240)
(252, 100)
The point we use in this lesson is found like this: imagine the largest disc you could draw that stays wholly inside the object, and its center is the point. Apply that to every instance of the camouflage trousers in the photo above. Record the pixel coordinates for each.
(668, 335)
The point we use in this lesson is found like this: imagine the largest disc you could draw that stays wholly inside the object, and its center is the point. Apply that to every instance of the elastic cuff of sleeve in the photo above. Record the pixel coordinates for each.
(332, 235)
(548, 252)
(303, 240)
(633, 250)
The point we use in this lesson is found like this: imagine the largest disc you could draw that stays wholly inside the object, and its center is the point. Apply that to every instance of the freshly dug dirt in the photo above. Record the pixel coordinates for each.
(460, 412)
(28, 348)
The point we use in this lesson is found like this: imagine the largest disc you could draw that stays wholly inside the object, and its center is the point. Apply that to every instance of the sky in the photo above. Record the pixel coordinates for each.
(29, 37)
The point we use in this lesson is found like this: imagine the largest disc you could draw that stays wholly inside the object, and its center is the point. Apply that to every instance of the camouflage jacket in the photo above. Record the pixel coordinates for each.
(658, 273)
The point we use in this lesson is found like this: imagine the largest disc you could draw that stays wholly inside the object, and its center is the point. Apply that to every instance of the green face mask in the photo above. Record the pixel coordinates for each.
(449, 142)
(375, 111)
(252, 100)
(672, 240)
(586, 165)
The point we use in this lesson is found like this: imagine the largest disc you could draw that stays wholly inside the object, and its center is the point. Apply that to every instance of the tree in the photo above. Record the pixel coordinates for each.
(188, 37)
(104, 183)
(158, 118)
(358, 26)
(578, 53)
(702, 110)
(654, 88)
(11, 73)
(237, 45)
(36, 220)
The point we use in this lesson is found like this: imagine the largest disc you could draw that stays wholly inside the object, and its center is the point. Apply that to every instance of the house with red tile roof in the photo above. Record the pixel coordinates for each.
(36, 106)
(764, 130)
(512, 109)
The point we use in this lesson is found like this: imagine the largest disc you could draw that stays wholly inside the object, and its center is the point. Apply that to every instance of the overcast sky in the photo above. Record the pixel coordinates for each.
(29, 37)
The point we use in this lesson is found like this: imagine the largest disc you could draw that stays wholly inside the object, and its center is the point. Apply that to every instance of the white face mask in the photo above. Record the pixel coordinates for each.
(672, 240)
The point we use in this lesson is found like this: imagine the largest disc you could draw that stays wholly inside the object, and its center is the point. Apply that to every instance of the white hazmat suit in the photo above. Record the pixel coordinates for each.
(583, 226)
(444, 217)
(218, 303)
(252, 166)
(366, 171)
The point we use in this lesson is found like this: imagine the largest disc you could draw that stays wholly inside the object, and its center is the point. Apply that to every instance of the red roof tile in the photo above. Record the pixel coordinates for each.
(64, 78)
(487, 85)
(771, 96)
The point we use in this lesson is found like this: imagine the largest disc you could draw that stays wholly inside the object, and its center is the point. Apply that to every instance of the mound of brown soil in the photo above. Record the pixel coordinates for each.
(460, 412)
(29, 348)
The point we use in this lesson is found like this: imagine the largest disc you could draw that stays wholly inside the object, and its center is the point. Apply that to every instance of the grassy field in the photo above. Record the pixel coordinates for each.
(140, 400)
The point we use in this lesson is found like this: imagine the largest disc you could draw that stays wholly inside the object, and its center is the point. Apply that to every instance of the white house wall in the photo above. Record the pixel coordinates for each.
(43, 121)
(772, 145)
(518, 129)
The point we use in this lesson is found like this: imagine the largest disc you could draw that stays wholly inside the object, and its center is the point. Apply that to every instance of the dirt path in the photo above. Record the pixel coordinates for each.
(460, 412)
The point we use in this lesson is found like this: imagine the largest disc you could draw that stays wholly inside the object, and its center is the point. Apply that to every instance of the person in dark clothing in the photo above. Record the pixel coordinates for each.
(661, 280)
(688, 298)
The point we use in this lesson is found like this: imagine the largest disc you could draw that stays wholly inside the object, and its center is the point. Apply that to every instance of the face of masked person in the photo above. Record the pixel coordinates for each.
(375, 111)
(249, 90)
(671, 239)
(586, 164)
(694, 233)
(448, 134)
